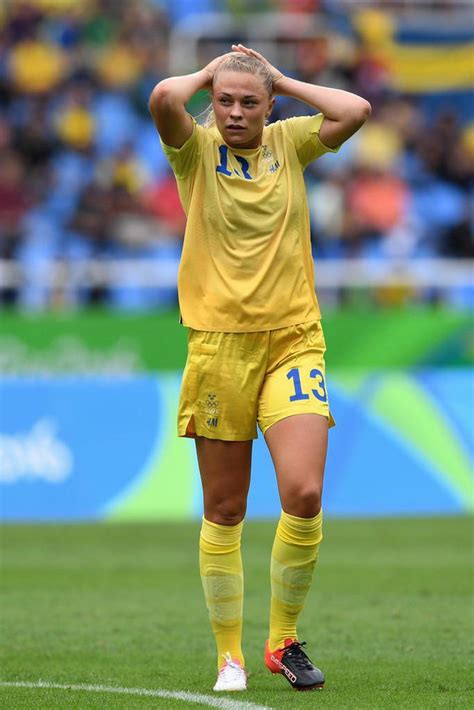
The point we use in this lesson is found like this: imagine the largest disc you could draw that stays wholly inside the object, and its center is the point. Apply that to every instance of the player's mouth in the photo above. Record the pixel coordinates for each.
(235, 128)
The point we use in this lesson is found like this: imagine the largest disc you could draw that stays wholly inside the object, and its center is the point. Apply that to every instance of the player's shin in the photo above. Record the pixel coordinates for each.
(294, 555)
(222, 580)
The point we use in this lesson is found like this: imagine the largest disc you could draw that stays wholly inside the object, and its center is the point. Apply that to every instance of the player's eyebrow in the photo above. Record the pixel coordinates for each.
(247, 96)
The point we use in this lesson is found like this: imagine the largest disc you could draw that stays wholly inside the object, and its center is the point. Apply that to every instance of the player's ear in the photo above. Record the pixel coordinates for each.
(271, 104)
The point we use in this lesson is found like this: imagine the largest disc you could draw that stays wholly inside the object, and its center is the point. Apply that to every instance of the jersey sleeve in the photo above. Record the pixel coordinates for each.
(303, 131)
(184, 160)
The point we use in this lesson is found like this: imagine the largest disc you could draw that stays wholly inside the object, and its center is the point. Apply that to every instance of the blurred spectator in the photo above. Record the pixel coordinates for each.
(379, 201)
(36, 67)
(34, 138)
(162, 200)
(74, 122)
(14, 204)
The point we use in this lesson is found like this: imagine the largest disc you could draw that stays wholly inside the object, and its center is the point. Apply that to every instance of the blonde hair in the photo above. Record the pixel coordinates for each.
(238, 62)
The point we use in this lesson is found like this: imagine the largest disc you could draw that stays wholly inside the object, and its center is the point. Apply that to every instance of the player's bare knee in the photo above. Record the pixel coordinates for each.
(305, 503)
(225, 512)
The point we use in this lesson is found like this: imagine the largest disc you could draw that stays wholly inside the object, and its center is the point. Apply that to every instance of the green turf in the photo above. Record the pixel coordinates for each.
(389, 619)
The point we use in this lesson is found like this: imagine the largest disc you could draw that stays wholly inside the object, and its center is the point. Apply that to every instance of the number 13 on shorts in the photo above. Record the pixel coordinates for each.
(315, 385)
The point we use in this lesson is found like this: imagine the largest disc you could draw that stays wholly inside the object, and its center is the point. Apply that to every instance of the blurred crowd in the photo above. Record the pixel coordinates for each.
(83, 177)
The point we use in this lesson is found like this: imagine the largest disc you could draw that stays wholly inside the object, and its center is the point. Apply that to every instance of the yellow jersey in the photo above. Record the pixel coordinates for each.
(246, 264)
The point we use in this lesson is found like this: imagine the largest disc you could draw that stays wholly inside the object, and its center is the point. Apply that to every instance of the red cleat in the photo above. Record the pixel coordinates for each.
(292, 662)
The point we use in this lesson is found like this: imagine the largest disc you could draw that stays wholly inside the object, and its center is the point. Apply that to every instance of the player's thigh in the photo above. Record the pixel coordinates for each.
(225, 474)
(221, 384)
(298, 447)
(296, 383)
(294, 415)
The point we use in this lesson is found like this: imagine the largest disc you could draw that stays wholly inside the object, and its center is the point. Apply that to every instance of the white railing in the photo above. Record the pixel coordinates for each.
(330, 273)
(421, 273)
(198, 38)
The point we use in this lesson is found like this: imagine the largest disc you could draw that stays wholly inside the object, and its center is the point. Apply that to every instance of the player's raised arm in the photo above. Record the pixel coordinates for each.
(344, 112)
(168, 100)
(167, 106)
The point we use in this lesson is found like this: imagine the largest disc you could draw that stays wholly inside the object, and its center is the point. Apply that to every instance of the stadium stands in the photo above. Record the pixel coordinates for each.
(83, 179)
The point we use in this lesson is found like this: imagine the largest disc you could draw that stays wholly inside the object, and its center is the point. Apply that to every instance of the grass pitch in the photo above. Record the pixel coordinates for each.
(389, 618)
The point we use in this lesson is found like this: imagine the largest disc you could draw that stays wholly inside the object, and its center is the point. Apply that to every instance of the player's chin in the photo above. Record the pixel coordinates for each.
(234, 137)
(241, 139)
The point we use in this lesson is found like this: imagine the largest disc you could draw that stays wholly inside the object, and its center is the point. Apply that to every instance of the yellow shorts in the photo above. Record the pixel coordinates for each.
(232, 381)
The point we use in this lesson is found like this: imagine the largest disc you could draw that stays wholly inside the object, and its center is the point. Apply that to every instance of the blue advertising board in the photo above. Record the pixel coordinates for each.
(106, 448)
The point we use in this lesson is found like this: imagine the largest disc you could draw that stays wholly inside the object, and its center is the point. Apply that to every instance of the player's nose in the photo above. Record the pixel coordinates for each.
(236, 110)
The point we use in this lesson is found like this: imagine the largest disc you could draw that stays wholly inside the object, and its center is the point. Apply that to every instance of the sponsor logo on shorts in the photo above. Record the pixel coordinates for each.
(212, 409)
(291, 676)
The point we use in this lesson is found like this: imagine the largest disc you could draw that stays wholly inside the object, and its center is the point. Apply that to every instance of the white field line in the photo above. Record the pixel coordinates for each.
(208, 700)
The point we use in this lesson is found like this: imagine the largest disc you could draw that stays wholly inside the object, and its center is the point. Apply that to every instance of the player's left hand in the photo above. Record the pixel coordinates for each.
(276, 74)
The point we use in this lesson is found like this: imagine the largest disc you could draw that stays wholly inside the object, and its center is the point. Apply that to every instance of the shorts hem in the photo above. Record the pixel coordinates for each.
(278, 418)
(187, 432)
(314, 318)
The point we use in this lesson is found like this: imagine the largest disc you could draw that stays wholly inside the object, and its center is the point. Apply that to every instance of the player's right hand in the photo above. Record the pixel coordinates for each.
(212, 66)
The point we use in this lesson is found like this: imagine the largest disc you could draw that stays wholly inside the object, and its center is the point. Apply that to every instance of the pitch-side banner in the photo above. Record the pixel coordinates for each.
(105, 448)
(117, 344)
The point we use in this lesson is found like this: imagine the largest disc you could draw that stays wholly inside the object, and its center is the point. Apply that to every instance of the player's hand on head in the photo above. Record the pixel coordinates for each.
(276, 73)
(211, 68)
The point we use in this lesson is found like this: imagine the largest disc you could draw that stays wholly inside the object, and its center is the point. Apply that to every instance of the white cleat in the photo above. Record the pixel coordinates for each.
(232, 676)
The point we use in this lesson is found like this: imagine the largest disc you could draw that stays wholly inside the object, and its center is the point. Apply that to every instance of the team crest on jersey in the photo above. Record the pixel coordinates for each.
(267, 155)
(212, 408)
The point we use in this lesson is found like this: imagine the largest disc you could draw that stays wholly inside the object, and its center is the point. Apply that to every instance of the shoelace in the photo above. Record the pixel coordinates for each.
(298, 656)
(231, 670)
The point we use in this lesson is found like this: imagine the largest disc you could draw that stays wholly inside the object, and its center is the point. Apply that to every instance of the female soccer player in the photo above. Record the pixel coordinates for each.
(256, 347)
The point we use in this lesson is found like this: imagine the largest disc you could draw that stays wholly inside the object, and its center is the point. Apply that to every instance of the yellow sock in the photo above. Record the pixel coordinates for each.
(222, 579)
(294, 555)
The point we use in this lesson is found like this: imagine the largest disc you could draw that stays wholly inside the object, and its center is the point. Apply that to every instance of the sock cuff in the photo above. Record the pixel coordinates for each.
(300, 531)
(220, 539)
